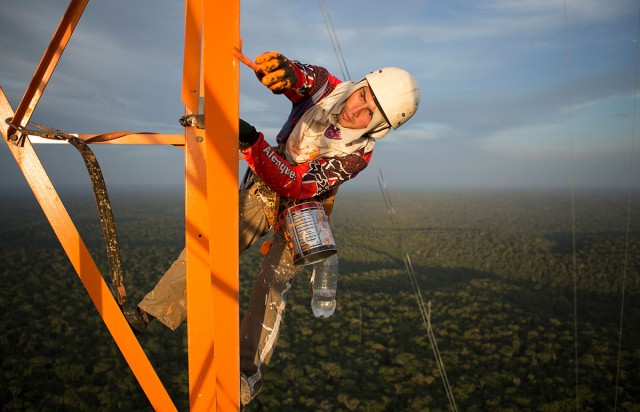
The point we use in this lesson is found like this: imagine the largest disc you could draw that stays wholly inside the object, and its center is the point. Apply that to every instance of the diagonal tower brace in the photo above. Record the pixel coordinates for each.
(210, 75)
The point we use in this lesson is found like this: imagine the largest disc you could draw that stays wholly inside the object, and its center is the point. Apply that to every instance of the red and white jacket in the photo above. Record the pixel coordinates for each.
(306, 180)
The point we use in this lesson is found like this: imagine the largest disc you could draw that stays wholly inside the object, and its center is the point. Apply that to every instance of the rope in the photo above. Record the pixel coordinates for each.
(625, 265)
(573, 204)
(100, 193)
(326, 17)
(424, 312)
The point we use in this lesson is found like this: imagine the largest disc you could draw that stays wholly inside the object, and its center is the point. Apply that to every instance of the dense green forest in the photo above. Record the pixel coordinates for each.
(506, 288)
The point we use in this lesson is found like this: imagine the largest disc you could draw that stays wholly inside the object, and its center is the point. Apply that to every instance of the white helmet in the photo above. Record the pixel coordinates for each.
(396, 93)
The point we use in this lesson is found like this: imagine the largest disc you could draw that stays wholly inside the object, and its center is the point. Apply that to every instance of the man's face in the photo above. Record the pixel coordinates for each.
(358, 109)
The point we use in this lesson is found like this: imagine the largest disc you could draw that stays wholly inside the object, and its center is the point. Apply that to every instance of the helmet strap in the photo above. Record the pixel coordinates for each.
(379, 129)
(375, 99)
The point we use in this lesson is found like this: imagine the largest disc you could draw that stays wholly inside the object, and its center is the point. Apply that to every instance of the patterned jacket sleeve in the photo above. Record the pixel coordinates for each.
(313, 82)
(306, 180)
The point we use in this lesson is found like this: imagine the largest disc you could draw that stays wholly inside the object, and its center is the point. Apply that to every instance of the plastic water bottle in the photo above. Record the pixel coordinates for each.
(325, 283)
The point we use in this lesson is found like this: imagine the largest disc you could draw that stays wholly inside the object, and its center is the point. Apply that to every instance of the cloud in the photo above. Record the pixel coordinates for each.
(415, 133)
(496, 79)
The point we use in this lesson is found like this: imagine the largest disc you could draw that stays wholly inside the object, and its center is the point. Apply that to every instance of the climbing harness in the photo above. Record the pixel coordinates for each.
(99, 190)
(270, 200)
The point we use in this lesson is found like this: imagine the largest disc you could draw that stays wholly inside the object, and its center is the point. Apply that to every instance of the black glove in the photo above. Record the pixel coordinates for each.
(247, 135)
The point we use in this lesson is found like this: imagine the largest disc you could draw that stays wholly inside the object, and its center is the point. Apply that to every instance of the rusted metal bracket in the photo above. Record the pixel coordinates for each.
(196, 120)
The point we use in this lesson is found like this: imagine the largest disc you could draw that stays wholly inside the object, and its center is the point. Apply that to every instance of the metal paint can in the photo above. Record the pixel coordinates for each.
(306, 227)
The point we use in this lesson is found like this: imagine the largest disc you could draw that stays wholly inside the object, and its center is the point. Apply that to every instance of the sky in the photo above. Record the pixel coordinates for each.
(514, 93)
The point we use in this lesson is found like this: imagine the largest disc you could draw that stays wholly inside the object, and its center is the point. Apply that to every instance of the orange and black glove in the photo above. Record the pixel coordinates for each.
(279, 72)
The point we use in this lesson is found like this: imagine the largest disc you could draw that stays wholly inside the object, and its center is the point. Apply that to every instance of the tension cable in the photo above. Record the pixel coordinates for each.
(424, 311)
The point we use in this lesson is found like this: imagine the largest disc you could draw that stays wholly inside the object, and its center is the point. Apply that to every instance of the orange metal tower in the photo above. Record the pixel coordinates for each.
(210, 90)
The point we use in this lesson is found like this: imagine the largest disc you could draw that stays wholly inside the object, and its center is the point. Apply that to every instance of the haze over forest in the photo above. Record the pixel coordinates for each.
(495, 268)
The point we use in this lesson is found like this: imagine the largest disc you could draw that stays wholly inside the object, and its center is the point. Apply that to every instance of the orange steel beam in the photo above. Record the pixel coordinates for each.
(140, 138)
(200, 327)
(85, 266)
(60, 221)
(132, 138)
(202, 383)
(48, 63)
(211, 195)
(192, 54)
(221, 97)
(210, 75)
(221, 91)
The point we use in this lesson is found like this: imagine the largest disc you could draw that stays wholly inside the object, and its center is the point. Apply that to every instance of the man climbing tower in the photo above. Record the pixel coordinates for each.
(327, 139)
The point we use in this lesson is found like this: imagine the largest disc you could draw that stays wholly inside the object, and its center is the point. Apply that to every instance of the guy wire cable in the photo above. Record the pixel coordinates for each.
(326, 18)
(426, 314)
(573, 204)
(625, 265)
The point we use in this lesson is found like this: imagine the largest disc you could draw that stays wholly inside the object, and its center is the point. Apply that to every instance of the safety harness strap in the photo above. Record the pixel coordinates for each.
(99, 191)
